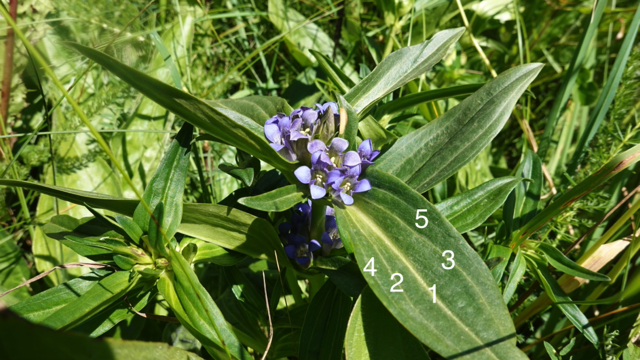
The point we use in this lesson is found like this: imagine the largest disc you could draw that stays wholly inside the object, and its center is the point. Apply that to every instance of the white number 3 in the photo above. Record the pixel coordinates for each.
(449, 260)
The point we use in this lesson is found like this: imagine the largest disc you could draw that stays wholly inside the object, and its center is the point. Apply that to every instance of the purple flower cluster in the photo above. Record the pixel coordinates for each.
(304, 135)
(295, 235)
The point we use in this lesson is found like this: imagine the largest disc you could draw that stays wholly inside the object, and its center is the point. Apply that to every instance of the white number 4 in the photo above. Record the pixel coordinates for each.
(419, 217)
(370, 264)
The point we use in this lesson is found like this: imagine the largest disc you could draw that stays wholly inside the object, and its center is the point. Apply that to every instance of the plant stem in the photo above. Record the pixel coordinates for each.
(318, 215)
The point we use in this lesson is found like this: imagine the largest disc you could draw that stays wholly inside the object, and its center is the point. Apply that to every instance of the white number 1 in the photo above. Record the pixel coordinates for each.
(418, 217)
(433, 291)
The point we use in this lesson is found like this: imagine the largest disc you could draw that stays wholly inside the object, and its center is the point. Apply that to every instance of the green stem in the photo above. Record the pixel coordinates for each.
(318, 215)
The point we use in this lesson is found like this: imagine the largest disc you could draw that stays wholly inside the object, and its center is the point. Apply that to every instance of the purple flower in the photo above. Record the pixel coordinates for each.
(334, 151)
(330, 238)
(302, 252)
(277, 130)
(367, 154)
(316, 176)
(346, 183)
(304, 123)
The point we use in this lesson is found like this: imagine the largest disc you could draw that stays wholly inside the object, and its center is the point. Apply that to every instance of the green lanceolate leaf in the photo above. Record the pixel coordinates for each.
(517, 272)
(344, 273)
(370, 129)
(13, 270)
(201, 311)
(470, 209)
(325, 324)
(613, 167)
(167, 186)
(399, 68)
(564, 264)
(221, 225)
(234, 230)
(437, 150)
(607, 95)
(107, 291)
(526, 197)
(280, 199)
(351, 127)
(502, 255)
(374, 334)
(99, 201)
(411, 100)
(333, 72)
(556, 294)
(212, 253)
(468, 320)
(44, 304)
(227, 125)
(17, 342)
(130, 227)
(157, 241)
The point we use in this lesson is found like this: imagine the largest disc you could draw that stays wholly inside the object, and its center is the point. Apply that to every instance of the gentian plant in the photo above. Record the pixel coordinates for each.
(331, 200)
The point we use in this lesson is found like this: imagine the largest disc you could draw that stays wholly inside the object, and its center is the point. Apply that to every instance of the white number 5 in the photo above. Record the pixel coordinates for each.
(418, 217)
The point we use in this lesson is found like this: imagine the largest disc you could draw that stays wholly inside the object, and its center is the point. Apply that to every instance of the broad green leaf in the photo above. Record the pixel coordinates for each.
(17, 342)
(517, 272)
(470, 209)
(227, 125)
(399, 68)
(166, 187)
(556, 294)
(325, 324)
(333, 72)
(564, 264)
(469, 319)
(156, 239)
(374, 334)
(607, 95)
(411, 100)
(280, 199)
(14, 270)
(107, 291)
(244, 325)
(200, 309)
(42, 305)
(437, 150)
(245, 175)
(96, 200)
(257, 108)
(130, 227)
(613, 167)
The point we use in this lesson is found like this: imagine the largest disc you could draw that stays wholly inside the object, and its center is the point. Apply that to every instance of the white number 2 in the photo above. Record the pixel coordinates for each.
(393, 288)
(449, 260)
(418, 217)
(372, 269)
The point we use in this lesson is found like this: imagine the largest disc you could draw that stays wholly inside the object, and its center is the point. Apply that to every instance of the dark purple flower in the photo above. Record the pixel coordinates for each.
(330, 238)
(345, 183)
(278, 131)
(316, 176)
(367, 154)
(302, 253)
(304, 121)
